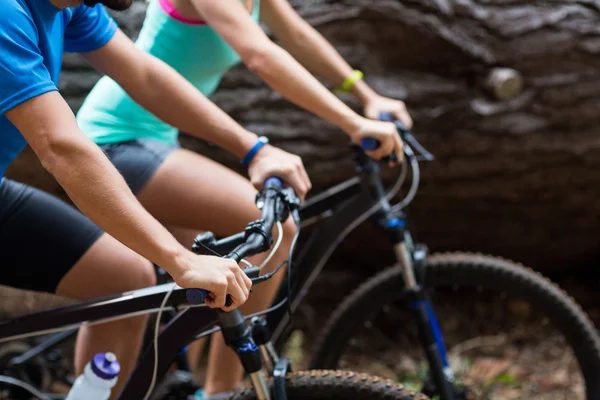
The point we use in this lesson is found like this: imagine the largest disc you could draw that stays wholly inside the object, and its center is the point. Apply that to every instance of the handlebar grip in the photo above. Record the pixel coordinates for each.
(369, 143)
(273, 182)
(197, 297)
(372, 143)
(387, 117)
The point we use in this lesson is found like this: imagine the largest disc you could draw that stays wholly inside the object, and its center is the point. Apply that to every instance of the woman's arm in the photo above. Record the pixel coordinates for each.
(308, 46)
(313, 51)
(161, 90)
(283, 73)
(273, 64)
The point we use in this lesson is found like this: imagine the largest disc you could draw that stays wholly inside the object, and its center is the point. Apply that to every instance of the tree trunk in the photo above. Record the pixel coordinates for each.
(517, 178)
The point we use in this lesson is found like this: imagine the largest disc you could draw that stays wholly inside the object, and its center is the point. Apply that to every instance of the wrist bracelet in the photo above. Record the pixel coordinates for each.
(262, 141)
(350, 81)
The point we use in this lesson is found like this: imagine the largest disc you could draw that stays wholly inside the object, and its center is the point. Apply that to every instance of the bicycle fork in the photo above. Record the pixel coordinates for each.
(238, 336)
(428, 330)
(254, 347)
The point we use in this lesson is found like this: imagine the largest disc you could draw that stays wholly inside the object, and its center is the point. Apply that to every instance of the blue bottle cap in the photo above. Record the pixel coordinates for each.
(247, 348)
(105, 366)
(394, 222)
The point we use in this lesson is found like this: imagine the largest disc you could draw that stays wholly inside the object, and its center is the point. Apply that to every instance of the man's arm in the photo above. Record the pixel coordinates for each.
(100, 192)
(89, 178)
(160, 89)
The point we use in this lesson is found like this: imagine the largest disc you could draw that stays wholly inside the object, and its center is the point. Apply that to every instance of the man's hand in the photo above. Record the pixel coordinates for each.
(385, 132)
(219, 276)
(271, 161)
(378, 105)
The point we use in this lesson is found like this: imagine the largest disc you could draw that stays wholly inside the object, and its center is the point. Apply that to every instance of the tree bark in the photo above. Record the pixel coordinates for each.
(518, 178)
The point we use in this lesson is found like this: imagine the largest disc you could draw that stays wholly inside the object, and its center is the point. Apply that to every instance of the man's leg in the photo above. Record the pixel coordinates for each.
(108, 267)
(49, 246)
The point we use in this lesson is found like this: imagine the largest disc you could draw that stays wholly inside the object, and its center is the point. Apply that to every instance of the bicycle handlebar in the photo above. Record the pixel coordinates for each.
(257, 237)
(372, 143)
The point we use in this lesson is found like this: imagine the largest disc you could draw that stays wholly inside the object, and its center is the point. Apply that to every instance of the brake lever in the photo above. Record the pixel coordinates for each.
(422, 153)
(290, 198)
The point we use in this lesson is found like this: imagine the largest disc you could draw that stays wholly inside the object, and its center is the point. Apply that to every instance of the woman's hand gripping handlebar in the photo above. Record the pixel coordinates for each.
(275, 205)
(369, 144)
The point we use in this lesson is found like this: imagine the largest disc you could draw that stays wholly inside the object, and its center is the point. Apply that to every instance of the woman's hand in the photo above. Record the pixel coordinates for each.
(385, 132)
(219, 276)
(379, 104)
(271, 161)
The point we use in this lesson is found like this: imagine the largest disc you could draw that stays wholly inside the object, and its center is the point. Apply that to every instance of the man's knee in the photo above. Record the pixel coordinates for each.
(144, 275)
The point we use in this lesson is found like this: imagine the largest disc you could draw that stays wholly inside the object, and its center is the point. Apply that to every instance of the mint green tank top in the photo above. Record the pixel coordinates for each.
(196, 51)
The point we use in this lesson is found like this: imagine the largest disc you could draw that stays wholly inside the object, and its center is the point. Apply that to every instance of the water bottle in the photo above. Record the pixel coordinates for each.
(97, 380)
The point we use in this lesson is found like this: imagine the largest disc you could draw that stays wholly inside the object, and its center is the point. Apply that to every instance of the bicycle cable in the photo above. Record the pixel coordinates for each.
(274, 248)
(246, 318)
(155, 342)
(416, 180)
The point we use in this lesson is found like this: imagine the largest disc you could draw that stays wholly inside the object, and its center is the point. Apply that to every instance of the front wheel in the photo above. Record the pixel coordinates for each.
(510, 332)
(338, 385)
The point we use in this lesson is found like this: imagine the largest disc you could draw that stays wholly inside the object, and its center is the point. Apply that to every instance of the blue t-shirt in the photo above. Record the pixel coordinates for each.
(33, 36)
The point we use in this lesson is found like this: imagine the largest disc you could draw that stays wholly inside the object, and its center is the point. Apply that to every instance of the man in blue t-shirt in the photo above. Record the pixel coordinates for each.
(47, 245)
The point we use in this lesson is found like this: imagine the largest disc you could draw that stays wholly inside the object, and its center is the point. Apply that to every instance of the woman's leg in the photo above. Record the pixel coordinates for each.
(191, 191)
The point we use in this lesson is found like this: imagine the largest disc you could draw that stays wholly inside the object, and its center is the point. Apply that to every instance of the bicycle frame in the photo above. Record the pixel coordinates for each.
(178, 333)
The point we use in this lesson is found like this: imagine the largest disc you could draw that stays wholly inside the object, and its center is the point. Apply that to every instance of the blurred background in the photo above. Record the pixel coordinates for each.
(505, 93)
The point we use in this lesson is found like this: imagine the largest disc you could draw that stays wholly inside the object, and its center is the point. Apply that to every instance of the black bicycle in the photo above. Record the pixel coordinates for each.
(372, 329)
(251, 341)
(370, 324)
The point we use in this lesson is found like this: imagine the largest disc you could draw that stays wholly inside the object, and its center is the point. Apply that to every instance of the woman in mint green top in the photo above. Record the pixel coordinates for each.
(195, 50)
(202, 39)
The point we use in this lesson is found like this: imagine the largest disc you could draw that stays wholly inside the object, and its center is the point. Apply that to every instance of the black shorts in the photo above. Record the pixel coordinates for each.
(41, 237)
(137, 160)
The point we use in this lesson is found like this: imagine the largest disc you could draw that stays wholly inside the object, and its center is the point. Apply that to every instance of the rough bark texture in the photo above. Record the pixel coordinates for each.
(517, 178)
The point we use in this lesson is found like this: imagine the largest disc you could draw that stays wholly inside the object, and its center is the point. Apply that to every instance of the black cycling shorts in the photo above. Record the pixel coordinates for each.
(41, 237)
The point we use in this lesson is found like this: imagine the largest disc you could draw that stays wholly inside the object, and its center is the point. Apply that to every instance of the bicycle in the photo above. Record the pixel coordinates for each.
(416, 274)
(250, 341)
(338, 210)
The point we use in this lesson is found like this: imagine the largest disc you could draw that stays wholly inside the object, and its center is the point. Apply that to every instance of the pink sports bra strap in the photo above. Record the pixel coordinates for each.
(173, 13)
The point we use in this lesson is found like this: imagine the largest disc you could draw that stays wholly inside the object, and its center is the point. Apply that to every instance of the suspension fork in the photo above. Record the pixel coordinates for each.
(238, 336)
(428, 329)
(430, 336)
